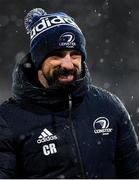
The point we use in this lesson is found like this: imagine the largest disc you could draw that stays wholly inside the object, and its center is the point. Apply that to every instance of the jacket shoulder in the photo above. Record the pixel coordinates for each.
(105, 95)
(107, 99)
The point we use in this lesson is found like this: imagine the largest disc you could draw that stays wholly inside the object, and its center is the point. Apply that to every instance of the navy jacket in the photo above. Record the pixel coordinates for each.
(80, 131)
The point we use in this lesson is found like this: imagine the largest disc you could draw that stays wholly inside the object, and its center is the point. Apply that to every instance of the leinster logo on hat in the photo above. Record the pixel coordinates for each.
(67, 40)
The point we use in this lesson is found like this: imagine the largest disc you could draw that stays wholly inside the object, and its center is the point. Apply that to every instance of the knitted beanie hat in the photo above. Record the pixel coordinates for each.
(50, 32)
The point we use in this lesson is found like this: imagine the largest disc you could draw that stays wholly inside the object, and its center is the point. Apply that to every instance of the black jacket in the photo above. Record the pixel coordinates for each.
(76, 132)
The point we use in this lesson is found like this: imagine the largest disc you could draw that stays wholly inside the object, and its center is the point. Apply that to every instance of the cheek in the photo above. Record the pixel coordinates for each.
(45, 70)
(48, 70)
(79, 68)
(47, 67)
(78, 65)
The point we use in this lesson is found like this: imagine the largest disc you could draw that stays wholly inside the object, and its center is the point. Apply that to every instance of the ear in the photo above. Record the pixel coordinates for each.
(42, 79)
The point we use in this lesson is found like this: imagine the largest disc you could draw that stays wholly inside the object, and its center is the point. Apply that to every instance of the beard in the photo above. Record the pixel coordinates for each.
(53, 79)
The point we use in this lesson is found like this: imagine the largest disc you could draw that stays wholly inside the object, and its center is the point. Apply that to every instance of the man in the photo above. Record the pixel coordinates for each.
(57, 124)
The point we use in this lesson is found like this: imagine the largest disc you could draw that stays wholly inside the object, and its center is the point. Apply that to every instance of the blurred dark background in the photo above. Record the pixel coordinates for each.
(111, 28)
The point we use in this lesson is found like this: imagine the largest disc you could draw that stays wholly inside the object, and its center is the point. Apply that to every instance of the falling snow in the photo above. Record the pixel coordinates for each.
(101, 60)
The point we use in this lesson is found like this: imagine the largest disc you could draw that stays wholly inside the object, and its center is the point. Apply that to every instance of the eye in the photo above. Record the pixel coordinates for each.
(75, 54)
(56, 55)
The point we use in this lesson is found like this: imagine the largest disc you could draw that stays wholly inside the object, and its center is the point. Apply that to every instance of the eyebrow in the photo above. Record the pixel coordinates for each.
(76, 51)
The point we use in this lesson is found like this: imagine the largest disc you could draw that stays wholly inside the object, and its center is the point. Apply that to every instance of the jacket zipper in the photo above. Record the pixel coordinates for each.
(75, 138)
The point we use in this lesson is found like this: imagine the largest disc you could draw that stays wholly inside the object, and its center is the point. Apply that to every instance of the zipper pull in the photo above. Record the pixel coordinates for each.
(70, 102)
(70, 106)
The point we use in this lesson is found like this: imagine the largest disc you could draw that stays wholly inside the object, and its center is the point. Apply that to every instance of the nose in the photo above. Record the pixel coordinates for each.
(67, 62)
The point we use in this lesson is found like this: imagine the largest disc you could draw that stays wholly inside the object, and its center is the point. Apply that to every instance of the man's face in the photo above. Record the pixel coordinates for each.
(61, 67)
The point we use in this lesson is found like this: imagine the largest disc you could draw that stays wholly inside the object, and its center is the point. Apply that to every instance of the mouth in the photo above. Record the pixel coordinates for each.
(65, 79)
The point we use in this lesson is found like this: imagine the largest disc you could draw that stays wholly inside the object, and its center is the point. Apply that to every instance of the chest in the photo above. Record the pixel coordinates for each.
(56, 142)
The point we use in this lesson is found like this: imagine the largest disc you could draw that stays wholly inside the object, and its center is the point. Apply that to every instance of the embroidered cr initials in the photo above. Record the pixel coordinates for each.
(49, 149)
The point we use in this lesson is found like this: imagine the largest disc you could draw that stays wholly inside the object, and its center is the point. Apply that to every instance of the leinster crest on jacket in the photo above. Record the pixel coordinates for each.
(101, 126)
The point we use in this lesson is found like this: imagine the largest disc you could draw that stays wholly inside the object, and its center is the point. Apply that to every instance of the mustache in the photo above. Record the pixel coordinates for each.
(64, 72)
(53, 78)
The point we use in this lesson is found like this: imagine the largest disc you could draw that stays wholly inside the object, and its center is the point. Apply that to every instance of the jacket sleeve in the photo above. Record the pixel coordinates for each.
(7, 155)
(127, 152)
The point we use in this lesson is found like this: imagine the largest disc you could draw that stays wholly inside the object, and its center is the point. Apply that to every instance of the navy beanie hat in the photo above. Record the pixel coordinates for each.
(49, 32)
